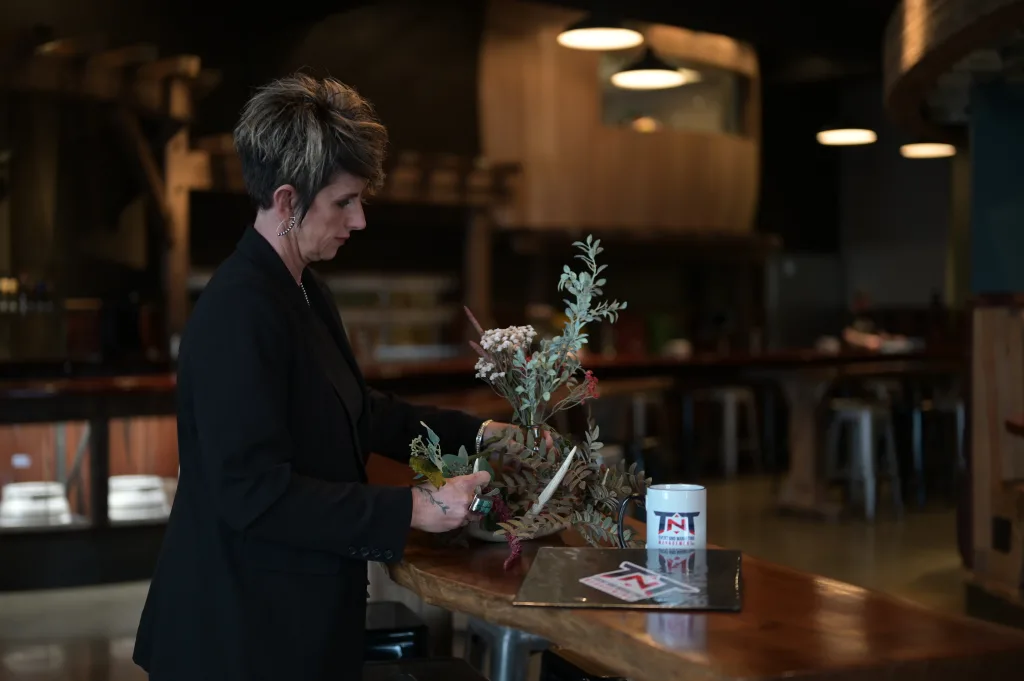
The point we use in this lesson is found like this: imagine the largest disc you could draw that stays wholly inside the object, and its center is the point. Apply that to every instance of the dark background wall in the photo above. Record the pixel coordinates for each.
(416, 61)
(799, 187)
(894, 211)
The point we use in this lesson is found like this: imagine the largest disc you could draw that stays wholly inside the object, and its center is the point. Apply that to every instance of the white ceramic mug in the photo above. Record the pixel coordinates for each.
(677, 516)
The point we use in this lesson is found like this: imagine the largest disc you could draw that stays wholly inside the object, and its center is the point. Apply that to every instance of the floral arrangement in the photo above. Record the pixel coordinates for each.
(539, 489)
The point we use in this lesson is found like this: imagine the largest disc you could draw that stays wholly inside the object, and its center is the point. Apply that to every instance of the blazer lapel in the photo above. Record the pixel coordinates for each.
(329, 346)
(323, 302)
(340, 362)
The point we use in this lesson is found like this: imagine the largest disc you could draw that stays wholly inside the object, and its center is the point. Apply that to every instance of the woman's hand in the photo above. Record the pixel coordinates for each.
(441, 510)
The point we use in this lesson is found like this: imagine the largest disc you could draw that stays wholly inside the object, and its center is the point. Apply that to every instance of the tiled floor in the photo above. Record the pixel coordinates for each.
(87, 634)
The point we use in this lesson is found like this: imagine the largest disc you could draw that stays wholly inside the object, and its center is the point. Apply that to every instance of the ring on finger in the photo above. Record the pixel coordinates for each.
(481, 505)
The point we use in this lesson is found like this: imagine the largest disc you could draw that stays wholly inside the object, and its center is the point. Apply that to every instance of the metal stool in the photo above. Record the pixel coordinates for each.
(394, 632)
(432, 669)
(862, 417)
(733, 399)
(561, 665)
(509, 649)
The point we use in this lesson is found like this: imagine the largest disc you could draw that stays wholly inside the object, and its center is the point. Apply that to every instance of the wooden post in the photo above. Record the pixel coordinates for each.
(177, 178)
(34, 175)
(477, 267)
(5, 213)
(958, 243)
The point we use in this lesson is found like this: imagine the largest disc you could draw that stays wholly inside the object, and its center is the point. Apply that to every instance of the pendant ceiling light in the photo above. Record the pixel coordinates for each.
(650, 73)
(595, 32)
(846, 137)
(927, 150)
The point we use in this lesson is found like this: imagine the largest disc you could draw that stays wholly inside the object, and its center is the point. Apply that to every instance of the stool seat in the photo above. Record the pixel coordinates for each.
(394, 632)
(432, 669)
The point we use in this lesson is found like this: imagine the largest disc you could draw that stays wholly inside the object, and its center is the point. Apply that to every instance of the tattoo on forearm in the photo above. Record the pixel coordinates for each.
(435, 501)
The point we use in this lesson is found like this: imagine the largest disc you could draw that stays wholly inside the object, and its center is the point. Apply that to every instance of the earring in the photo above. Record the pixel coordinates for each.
(291, 225)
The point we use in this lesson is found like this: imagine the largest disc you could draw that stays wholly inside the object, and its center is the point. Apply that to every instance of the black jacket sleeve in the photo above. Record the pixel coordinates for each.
(238, 370)
(394, 423)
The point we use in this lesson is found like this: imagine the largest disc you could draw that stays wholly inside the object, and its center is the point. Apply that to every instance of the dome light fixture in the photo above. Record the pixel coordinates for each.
(595, 32)
(846, 137)
(650, 72)
(927, 150)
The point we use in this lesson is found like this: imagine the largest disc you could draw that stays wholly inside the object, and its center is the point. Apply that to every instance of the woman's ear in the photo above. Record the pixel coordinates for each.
(285, 200)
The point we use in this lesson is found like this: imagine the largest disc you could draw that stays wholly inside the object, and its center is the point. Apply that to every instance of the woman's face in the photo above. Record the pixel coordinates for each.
(336, 212)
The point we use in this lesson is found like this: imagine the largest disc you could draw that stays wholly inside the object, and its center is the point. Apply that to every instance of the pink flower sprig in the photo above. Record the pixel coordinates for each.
(502, 512)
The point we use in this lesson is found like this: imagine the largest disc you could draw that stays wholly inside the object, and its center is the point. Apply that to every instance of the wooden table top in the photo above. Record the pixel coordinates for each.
(792, 625)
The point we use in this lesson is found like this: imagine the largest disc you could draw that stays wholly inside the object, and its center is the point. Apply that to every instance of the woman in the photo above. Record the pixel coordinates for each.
(263, 570)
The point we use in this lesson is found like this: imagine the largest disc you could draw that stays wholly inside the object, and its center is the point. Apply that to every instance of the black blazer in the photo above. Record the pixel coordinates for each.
(263, 569)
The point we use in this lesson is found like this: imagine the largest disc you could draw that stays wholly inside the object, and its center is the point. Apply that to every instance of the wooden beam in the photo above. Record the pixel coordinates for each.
(199, 178)
(181, 66)
(103, 75)
(165, 87)
(477, 269)
(79, 46)
(222, 143)
(123, 57)
(147, 161)
(178, 168)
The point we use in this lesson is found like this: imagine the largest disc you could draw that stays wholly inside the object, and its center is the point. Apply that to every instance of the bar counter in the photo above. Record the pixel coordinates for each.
(792, 624)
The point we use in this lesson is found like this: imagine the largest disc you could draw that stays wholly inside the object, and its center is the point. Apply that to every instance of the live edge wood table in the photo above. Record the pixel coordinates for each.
(793, 625)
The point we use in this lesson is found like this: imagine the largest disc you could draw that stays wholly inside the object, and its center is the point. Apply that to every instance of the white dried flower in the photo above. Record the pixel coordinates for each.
(512, 337)
(483, 368)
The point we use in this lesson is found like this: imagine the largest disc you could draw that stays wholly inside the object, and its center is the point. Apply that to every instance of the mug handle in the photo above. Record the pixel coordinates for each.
(639, 498)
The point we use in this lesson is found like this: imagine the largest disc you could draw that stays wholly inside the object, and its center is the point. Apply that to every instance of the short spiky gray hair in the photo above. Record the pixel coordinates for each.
(302, 130)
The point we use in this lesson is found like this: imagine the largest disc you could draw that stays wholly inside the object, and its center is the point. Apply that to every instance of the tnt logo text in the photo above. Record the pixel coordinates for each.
(632, 583)
(677, 529)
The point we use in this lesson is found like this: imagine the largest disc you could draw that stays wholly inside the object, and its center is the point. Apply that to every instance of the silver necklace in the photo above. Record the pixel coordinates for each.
(304, 294)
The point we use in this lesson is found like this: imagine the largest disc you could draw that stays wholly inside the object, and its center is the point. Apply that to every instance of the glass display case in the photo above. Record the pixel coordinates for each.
(45, 473)
(44, 476)
(143, 469)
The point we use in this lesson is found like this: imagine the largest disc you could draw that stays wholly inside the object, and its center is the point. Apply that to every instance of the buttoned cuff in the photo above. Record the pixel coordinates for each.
(385, 537)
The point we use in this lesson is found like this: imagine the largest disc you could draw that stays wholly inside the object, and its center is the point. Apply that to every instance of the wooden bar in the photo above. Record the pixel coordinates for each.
(792, 624)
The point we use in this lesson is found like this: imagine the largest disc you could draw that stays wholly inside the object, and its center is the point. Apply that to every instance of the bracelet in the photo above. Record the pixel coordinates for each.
(480, 434)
